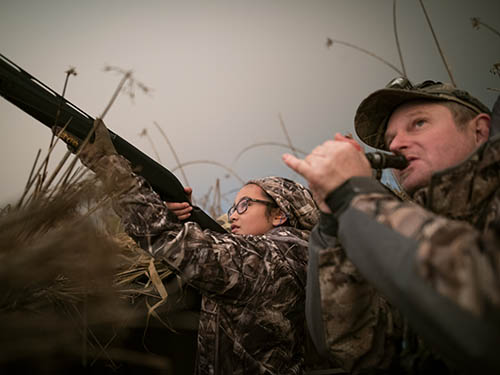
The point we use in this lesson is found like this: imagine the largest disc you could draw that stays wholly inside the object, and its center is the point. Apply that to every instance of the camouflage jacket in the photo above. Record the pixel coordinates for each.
(436, 259)
(253, 287)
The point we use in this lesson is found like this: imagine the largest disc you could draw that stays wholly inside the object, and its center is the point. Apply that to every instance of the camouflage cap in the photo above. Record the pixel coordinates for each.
(374, 111)
(293, 199)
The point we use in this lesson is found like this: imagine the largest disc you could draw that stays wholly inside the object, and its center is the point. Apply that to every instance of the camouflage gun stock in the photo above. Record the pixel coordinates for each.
(51, 109)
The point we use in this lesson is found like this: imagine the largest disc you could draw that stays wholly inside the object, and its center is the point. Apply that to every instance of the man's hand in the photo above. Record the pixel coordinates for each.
(102, 146)
(329, 165)
(183, 209)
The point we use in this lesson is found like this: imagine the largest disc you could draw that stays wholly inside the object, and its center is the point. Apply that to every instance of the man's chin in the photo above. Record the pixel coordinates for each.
(410, 184)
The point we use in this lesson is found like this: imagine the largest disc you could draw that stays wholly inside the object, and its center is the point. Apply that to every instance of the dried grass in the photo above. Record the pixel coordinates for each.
(477, 23)
(330, 42)
(440, 50)
(73, 285)
(396, 37)
(56, 272)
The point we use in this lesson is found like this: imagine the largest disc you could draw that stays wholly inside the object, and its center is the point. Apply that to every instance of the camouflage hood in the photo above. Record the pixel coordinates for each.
(293, 199)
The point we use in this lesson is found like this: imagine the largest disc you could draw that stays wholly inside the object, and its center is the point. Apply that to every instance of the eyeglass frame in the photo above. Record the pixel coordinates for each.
(234, 207)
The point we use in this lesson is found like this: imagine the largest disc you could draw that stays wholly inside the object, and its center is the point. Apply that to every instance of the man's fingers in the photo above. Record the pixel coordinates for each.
(292, 162)
(300, 166)
(342, 138)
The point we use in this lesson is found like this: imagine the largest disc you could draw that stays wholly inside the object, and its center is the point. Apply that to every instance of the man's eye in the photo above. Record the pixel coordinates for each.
(420, 123)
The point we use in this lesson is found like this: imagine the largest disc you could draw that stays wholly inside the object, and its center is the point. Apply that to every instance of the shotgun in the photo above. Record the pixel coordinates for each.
(51, 109)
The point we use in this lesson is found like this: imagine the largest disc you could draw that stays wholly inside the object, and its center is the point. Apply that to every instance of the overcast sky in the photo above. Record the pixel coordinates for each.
(222, 72)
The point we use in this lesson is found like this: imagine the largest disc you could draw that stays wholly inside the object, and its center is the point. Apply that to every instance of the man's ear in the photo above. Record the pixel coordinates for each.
(279, 218)
(482, 127)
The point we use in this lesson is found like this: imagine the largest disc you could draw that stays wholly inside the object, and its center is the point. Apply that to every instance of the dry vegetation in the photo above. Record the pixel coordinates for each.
(65, 298)
(77, 292)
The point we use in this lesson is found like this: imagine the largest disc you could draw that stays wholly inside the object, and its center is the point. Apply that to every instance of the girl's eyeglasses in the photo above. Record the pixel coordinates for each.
(242, 206)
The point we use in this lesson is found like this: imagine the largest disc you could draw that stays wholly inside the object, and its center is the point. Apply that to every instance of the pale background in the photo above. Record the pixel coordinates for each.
(222, 72)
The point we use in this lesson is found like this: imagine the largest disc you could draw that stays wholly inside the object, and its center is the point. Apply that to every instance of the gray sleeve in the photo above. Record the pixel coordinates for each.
(388, 260)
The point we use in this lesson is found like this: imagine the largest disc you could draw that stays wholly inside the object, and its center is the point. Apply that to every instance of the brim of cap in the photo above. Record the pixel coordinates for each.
(373, 113)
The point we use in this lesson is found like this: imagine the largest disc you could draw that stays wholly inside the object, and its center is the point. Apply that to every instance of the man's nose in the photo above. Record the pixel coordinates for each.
(398, 143)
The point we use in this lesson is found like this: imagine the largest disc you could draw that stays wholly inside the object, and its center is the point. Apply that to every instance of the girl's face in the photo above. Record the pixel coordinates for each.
(253, 220)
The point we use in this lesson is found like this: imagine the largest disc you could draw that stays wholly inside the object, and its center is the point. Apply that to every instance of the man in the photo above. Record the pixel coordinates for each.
(252, 280)
(434, 258)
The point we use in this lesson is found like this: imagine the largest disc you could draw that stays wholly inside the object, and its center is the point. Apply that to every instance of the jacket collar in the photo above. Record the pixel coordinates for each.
(461, 192)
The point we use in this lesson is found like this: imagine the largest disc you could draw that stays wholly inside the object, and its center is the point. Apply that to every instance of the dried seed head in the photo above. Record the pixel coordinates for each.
(475, 22)
(71, 71)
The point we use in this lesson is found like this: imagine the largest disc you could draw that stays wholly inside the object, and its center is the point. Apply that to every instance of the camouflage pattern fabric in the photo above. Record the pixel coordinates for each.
(460, 262)
(252, 313)
(361, 329)
(374, 111)
(456, 225)
(293, 199)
